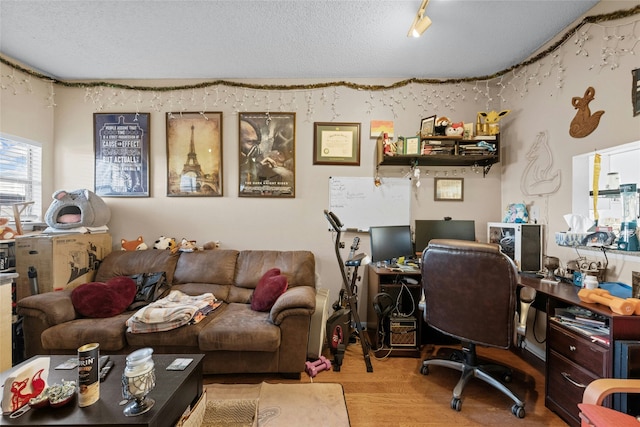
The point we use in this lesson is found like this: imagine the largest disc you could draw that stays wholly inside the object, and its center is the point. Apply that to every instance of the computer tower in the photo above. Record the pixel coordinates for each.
(520, 242)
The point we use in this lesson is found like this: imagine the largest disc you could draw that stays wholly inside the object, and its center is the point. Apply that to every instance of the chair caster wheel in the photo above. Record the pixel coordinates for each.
(424, 370)
(518, 411)
(506, 378)
(456, 404)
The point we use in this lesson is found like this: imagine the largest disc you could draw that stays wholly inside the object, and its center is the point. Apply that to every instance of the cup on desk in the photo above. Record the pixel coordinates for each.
(589, 282)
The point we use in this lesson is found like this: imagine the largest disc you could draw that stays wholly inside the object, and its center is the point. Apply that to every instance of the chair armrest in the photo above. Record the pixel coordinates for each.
(598, 389)
(295, 301)
(54, 307)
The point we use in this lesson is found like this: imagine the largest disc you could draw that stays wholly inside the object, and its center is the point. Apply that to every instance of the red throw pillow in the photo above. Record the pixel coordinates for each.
(98, 300)
(270, 287)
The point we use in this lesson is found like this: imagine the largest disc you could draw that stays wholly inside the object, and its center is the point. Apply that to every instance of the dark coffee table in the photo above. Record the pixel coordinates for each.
(174, 392)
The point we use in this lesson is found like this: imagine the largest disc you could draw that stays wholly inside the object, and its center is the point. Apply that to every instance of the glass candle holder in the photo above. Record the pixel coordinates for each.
(138, 379)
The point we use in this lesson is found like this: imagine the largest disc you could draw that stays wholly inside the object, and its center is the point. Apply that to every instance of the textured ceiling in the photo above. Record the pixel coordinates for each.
(327, 39)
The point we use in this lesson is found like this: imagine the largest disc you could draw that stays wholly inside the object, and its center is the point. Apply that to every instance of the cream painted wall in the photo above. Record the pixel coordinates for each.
(247, 223)
(264, 223)
(547, 108)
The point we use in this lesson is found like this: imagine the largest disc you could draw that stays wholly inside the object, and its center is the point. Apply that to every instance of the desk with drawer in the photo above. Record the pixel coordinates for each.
(574, 360)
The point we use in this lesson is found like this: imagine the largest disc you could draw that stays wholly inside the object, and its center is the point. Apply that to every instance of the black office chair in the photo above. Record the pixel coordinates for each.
(470, 292)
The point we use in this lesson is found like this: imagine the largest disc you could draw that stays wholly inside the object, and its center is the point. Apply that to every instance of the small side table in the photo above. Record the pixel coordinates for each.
(6, 324)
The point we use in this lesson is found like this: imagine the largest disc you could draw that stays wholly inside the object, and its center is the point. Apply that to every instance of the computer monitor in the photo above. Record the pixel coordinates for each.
(391, 241)
(427, 229)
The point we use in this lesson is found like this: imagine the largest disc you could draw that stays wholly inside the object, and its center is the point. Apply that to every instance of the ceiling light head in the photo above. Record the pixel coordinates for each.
(421, 22)
(420, 27)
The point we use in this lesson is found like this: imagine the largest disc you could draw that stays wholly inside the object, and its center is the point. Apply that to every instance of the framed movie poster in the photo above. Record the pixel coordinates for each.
(121, 142)
(194, 154)
(267, 154)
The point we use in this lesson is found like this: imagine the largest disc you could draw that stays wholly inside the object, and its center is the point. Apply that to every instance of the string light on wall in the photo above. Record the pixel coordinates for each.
(612, 40)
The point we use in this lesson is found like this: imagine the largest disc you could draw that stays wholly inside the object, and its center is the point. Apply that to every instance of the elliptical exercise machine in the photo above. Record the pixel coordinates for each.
(339, 324)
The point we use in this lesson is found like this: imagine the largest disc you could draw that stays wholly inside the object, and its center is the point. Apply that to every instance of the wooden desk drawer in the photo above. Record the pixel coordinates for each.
(578, 349)
(566, 382)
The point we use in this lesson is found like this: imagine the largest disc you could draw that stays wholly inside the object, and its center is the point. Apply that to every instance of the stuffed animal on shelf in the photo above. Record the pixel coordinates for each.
(166, 243)
(133, 245)
(455, 129)
(441, 125)
(6, 232)
(491, 119)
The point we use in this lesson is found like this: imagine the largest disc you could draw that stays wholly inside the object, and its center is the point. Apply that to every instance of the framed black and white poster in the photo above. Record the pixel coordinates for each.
(121, 142)
(267, 154)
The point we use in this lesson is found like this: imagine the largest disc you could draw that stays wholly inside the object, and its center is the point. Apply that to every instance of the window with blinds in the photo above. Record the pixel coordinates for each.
(20, 177)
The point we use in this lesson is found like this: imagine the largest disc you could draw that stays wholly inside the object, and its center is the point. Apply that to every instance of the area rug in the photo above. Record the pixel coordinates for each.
(275, 405)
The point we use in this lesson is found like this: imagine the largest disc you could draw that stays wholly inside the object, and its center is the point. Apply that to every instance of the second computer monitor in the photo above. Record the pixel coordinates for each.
(427, 229)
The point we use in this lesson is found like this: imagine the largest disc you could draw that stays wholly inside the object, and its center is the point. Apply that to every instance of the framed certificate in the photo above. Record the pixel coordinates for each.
(450, 189)
(336, 144)
(412, 145)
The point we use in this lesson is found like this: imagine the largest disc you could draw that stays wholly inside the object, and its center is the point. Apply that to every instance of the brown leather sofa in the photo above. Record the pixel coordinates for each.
(234, 338)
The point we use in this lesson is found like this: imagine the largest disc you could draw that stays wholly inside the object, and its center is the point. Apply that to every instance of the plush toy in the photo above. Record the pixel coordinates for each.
(491, 120)
(211, 245)
(441, 125)
(6, 233)
(187, 245)
(455, 129)
(79, 208)
(133, 245)
(166, 243)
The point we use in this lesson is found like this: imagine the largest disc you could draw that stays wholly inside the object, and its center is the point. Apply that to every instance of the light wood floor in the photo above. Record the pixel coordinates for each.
(396, 394)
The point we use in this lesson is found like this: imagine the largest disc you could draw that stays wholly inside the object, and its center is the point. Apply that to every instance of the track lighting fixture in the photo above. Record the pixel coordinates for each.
(421, 22)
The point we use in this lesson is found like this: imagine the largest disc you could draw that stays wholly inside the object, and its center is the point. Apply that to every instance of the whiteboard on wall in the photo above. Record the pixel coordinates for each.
(359, 204)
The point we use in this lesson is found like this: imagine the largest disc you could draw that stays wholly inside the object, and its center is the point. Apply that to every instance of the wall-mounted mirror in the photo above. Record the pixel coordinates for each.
(618, 165)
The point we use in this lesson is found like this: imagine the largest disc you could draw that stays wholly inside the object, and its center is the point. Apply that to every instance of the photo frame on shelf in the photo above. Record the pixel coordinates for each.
(428, 126)
(194, 154)
(336, 144)
(121, 148)
(448, 189)
(412, 145)
(635, 91)
(267, 154)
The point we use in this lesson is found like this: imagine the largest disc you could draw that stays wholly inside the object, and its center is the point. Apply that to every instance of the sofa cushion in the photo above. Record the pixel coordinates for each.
(269, 288)
(298, 266)
(128, 263)
(211, 266)
(109, 332)
(240, 329)
(97, 299)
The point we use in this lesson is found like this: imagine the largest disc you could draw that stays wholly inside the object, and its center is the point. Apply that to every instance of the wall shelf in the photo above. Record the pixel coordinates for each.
(456, 152)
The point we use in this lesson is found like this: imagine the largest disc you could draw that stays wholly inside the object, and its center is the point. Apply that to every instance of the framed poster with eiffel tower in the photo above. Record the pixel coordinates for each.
(194, 154)
(267, 154)
(121, 142)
